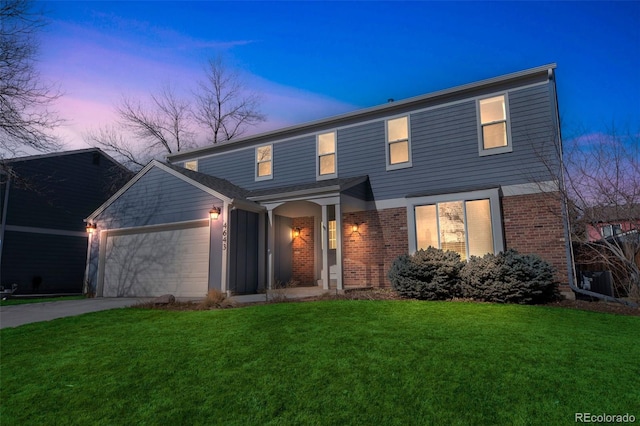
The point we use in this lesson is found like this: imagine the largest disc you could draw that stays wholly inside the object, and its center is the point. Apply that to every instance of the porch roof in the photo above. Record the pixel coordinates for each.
(221, 185)
(323, 187)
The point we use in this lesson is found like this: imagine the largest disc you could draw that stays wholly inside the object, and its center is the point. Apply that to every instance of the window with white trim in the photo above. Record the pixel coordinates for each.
(264, 162)
(398, 144)
(611, 230)
(460, 226)
(326, 155)
(494, 125)
(191, 165)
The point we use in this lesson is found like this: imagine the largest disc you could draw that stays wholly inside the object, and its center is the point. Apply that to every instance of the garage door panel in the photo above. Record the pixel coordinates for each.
(155, 263)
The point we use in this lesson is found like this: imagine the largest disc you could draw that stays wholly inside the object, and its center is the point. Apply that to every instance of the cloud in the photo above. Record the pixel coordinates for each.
(96, 68)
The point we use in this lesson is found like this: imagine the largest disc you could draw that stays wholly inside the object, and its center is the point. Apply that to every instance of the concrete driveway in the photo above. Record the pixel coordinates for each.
(13, 316)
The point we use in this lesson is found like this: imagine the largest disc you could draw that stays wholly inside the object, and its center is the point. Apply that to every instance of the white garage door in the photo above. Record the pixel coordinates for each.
(149, 264)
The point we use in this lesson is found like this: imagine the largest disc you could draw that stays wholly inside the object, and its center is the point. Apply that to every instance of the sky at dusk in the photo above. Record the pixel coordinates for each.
(312, 60)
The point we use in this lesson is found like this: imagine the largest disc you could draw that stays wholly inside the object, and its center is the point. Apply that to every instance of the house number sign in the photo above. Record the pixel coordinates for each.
(224, 236)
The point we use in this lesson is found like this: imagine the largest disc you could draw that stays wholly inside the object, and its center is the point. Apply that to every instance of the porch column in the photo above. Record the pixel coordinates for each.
(325, 246)
(338, 214)
(271, 249)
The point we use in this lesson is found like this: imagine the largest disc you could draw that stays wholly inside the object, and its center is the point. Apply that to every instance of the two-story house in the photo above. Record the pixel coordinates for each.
(43, 200)
(333, 202)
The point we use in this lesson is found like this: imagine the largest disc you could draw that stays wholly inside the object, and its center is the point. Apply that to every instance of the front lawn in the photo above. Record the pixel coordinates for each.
(326, 362)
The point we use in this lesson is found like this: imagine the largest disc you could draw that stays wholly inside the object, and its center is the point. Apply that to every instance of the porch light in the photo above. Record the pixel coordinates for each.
(214, 213)
(296, 232)
(354, 227)
(91, 227)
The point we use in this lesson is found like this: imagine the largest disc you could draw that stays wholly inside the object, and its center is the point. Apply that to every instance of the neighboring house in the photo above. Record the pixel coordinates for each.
(43, 201)
(611, 221)
(333, 202)
(611, 234)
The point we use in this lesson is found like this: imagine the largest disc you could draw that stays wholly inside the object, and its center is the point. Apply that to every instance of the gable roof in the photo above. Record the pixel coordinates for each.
(63, 154)
(219, 188)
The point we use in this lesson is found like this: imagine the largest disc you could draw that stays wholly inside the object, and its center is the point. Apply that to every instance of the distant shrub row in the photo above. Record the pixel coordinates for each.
(508, 277)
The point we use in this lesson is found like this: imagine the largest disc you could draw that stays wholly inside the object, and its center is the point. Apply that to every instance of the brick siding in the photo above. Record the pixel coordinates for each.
(368, 253)
(533, 224)
(303, 258)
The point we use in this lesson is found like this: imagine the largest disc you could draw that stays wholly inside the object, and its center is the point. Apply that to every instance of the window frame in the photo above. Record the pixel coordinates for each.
(258, 162)
(319, 156)
(388, 143)
(492, 194)
(507, 120)
(332, 234)
(195, 165)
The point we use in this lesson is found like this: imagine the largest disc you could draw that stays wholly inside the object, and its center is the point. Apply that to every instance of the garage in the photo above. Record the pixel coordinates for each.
(169, 259)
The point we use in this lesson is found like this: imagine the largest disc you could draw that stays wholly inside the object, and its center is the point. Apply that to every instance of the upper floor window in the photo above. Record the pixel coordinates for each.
(191, 165)
(326, 155)
(398, 143)
(264, 162)
(494, 125)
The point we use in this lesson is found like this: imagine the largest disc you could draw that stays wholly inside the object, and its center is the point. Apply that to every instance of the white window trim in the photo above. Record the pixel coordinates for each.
(256, 163)
(493, 195)
(499, 150)
(387, 144)
(335, 153)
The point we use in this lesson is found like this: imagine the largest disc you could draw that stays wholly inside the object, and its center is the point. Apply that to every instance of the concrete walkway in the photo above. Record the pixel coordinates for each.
(15, 315)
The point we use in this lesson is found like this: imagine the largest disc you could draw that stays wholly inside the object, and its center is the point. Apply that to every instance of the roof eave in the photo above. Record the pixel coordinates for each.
(287, 131)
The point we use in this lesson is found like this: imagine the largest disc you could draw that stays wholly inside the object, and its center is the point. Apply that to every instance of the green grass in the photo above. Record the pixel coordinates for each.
(10, 302)
(328, 362)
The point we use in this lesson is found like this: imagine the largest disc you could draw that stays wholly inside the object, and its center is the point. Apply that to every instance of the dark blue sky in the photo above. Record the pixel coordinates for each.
(316, 59)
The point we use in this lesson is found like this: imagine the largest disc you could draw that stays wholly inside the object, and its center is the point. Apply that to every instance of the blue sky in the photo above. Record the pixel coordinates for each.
(311, 60)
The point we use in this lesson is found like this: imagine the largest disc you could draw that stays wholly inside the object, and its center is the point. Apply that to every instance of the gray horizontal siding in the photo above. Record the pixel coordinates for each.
(42, 263)
(444, 151)
(293, 163)
(157, 198)
(58, 192)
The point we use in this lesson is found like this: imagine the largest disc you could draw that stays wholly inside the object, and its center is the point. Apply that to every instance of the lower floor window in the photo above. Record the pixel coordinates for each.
(460, 226)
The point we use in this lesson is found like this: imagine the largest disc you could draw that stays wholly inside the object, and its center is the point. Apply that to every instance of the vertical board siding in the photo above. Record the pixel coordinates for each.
(157, 198)
(243, 250)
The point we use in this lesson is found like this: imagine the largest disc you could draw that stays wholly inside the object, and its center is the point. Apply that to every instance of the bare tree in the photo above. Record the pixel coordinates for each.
(163, 125)
(224, 105)
(26, 118)
(602, 187)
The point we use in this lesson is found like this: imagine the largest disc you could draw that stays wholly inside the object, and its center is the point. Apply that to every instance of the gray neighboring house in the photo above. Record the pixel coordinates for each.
(333, 202)
(43, 201)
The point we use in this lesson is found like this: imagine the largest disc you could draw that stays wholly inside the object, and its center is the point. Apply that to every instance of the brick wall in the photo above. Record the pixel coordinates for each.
(368, 253)
(533, 224)
(303, 251)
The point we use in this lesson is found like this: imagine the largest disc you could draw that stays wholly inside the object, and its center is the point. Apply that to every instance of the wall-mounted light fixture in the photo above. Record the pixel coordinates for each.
(91, 227)
(354, 227)
(214, 213)
(295, 232)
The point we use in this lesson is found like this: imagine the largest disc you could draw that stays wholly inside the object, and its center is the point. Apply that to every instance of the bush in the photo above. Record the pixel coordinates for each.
(509, 277)
(430, 274)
